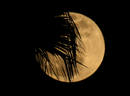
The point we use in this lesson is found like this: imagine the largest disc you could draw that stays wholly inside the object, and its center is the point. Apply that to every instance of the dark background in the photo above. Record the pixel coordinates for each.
(27, 28)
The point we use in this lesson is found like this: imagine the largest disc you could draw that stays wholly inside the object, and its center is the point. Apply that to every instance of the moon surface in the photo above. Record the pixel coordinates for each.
(93, 44)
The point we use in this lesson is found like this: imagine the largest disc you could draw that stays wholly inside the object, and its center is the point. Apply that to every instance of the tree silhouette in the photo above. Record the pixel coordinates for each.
(61, 43)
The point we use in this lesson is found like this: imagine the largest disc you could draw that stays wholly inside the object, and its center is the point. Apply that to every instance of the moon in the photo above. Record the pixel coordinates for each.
(93, 45)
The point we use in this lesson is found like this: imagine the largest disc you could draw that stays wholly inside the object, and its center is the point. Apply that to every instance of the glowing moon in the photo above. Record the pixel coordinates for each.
(93, 44)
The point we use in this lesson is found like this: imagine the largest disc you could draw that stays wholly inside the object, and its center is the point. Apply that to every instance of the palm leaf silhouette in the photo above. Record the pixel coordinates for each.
(63, 45)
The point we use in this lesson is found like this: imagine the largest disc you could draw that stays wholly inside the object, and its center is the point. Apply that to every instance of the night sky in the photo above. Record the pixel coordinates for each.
(29, 31)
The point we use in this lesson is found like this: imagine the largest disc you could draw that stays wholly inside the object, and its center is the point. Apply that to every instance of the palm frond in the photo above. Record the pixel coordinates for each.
(63, 45)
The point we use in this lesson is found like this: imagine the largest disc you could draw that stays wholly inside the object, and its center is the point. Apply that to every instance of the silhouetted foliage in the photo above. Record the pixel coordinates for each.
(60, 40)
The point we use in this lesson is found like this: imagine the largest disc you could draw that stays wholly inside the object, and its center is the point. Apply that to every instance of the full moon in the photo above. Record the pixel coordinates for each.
(93, 45)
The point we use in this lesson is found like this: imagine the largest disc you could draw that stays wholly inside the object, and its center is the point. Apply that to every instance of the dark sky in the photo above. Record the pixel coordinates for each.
(27, 34)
